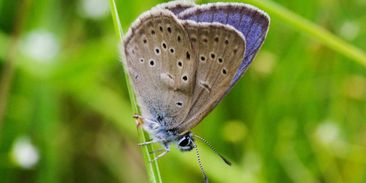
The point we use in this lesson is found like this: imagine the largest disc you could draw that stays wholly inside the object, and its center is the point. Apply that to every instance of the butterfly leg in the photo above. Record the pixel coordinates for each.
(138, 119)
(156, 150)
(147, 143)
(160, 155)
(166, 150)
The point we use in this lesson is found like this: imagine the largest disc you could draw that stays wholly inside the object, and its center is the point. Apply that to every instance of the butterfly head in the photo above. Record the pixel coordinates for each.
(185, 142)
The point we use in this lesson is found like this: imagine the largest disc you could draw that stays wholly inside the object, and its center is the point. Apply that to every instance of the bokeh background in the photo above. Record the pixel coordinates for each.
(297, 116)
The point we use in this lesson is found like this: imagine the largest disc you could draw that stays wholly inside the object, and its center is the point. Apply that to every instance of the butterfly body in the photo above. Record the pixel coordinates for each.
(182, 59)
(160, 134)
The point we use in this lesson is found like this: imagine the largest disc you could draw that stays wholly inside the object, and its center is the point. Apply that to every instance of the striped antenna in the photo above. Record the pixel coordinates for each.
(200, 163)
(213, 149)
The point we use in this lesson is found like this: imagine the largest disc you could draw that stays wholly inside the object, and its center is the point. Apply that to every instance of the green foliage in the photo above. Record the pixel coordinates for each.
(66, 116)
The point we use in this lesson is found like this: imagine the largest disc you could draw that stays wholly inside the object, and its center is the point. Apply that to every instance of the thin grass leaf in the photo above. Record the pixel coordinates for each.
(152, 167)
(314, 31)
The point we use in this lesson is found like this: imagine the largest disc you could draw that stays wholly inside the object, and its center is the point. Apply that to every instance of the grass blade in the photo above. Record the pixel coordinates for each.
(314, 31)
(152, 167)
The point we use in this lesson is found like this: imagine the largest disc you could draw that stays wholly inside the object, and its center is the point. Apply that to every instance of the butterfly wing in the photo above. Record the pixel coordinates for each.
(253, 26)
(250, 21)
(219, 49)
(159, 60)
(176, 6)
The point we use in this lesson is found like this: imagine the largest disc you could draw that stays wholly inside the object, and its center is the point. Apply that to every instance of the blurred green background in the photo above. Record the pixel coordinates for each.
(297, 116)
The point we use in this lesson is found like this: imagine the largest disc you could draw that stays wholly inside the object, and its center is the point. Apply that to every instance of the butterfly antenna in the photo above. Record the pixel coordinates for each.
(200, 164)
(213, 149)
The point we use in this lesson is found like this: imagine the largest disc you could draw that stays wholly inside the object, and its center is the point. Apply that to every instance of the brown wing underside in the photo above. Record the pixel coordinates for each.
(219, 50)
(160, 62)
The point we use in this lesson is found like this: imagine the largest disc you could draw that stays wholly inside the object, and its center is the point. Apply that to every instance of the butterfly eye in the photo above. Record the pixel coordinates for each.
(184, 142)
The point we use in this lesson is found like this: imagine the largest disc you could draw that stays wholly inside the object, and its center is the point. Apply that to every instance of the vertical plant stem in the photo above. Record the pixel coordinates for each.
(8, 70)
(152, 167)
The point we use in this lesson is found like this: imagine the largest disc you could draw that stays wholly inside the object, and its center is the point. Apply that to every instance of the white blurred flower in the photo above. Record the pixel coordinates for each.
(327, 132)
(94, 9)
(41, 46)
(349, 30)
(25, 153)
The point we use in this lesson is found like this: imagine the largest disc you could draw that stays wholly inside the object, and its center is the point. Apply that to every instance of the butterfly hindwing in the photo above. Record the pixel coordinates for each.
(219, 49)
(161, 66)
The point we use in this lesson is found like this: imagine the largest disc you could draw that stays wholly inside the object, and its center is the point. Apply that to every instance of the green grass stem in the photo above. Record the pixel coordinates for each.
(152, 167)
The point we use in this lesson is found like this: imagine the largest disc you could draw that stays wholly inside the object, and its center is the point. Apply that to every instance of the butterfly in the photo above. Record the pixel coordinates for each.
(183, 58)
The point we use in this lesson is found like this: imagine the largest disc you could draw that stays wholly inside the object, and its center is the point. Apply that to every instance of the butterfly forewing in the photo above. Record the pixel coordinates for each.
(219, 49)
(161, 66)
(176, 6)
(250, 21)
